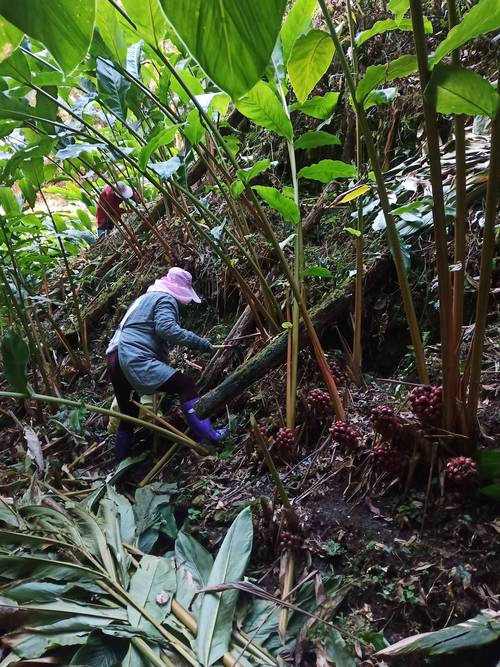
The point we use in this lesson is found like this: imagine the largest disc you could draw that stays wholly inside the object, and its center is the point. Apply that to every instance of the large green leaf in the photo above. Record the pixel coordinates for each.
(75, 150)
(311, 56)
(15, 355)
(166, 170)
(398, 7)
(380, 96)
(297, 22)
(194, 130)
(109, 23)
(151, 499)
(194, 564)
(162, 138)
(13, 108)
(337, 650)
(482, 18)
(232, 41)
(217, 609)
(17, 67)
(17, 567)
(377, 74)
(319, 106)
(10, 38)
(478, 631)
(263, 108)
(113, 87)
(316, 138)
(101, 651)
(380, 27)
(279, 202)
(148, 18)
(489, 464)
(457, 90)
(153, 580)
(328, 170)
(64, 26)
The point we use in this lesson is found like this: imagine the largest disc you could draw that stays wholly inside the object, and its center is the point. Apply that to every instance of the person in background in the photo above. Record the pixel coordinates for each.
(135, 356)
(109, 209)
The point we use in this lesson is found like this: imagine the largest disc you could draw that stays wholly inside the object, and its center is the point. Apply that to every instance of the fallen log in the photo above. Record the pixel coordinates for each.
(324, 316)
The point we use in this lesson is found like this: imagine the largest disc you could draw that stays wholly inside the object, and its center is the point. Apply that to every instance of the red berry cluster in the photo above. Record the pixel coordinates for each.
(345, 435)
(264, 430)
(385, 458)
(385, 422)
(427, 404)
(462, 471)
(337, 373)
(285, 439)
(319, 401)
(289, 540)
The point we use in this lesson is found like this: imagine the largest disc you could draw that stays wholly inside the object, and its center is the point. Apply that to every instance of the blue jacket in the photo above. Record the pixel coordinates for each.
(147, 334)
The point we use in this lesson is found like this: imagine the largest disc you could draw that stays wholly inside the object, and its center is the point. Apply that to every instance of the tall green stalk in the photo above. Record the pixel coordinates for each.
(448, 345)
(487, 257)
(358, 288)
(460, 213)
(392, 232)
(298, 268)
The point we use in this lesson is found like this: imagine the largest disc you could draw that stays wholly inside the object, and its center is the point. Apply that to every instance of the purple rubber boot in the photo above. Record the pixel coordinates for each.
(201, 429)
(123, 445)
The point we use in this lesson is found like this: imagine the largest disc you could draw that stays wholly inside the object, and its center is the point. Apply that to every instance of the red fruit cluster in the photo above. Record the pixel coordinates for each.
(386, 459)
(345, 435)
(427, 404)
(319, 401)
(386, 422)
(285, 439)
(462, 471)
(289, 540)
(337, 373)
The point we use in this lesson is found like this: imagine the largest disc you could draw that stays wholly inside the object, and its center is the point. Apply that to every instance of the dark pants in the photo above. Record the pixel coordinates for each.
(105, 229)
(180, 384)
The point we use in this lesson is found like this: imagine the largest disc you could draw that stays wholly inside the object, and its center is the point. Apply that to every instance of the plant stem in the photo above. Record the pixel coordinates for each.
(169, 435)
(448, 345)
(460, 213)
(487, 257)
(359, 242)
(392, 232)
(280, 489)
(293, 357)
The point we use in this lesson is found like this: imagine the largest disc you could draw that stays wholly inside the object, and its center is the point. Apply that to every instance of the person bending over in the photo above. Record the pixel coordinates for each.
(135, 356)
(109, 209)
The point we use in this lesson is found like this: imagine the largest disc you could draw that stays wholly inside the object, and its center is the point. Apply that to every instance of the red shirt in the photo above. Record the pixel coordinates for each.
(108, 208)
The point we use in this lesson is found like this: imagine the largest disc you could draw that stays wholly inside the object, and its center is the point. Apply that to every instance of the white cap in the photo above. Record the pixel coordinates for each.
(124, 190)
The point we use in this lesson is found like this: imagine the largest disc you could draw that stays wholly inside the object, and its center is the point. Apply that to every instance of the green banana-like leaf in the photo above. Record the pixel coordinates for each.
(15, 354)
(311, 56)
(217, 609)
(232, 41)
(113, 87)
(458, 90)
(64, 26)
(194, 564)
(152, 587)
(148, 18)
(263, 108)
(482, 18)
(297, 22)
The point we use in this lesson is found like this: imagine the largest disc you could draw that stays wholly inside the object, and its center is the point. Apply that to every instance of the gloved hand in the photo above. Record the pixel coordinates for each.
(206, 345)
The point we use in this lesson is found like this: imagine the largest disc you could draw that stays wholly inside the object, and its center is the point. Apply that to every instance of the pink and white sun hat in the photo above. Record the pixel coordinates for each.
(124, 190)
(179, 284)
